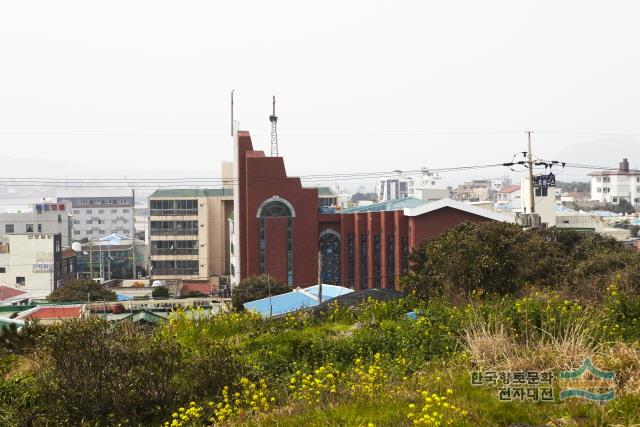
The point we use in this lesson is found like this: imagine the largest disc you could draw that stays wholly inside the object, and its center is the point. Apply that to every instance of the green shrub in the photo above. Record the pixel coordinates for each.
(107, 374)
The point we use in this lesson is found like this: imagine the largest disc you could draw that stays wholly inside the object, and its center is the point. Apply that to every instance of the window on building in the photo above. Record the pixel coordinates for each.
(363, 261)
(606, 190)
(541, 191)
(3, 270)
(76, 232)
(89, 231)
(351, 259)
(59, 219)
(114, 211)
(76, 211)
(615, 200)
(89, 221)
(330, 258)
(405, 254)
(606, 179)
(39, 228)
(376, 261)
(20, 280)
(89, 211)
(125, 210)
(275, 209)
(391, 262)
(29, 228)
(598, 190)
(8, 228)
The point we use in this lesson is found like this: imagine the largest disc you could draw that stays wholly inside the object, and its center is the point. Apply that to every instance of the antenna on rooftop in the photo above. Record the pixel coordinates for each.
(274, 130)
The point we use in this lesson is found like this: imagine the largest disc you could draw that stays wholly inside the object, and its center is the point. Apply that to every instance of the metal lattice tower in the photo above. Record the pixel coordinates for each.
(274, 130)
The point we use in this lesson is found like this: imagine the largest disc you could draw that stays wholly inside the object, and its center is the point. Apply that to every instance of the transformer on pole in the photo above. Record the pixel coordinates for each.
(274, 130)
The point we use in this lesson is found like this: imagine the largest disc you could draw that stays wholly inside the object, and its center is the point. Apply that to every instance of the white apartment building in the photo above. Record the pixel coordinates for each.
(400, 186)
(613, 186)
(96, 216)
(47, 218)
(30, 262)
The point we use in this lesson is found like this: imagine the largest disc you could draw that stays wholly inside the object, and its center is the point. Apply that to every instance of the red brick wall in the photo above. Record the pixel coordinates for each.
(262, 178)
(346, 227)
(434, 223)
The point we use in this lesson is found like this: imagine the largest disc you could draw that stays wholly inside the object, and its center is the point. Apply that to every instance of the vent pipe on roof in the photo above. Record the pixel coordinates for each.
(624, 165)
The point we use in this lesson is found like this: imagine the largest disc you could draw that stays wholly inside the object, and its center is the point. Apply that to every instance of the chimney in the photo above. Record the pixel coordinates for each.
(624, 165)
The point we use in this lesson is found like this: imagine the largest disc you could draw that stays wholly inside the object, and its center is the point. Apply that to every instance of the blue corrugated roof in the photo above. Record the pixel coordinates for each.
(295, 300)
(328, 291)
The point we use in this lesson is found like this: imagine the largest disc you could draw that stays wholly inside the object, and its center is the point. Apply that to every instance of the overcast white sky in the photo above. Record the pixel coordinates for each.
(141, 88)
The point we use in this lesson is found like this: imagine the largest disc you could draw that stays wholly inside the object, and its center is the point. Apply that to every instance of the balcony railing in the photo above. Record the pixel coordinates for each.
(173, 212)
(175, 251)
(173, 231)
(175, 272)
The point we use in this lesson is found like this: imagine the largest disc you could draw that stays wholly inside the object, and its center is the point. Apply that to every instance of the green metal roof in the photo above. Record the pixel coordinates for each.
(390, 205)
(193, 192)
(326, 192)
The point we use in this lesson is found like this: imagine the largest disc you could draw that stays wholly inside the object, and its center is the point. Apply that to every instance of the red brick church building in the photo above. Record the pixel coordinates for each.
(279, 229)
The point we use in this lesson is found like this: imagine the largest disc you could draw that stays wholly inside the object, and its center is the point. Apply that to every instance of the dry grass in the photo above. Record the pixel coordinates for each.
(493, 346)
(624, 360)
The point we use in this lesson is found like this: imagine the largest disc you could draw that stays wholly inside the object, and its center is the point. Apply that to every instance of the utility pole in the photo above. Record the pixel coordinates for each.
(133, 253)
(274, 130)
(91, 259)
(232, 113)
(269, 293)
(532, 200)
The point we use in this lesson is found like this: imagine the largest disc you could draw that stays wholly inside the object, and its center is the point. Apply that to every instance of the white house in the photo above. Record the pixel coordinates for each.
(509, 196)
(613, 186)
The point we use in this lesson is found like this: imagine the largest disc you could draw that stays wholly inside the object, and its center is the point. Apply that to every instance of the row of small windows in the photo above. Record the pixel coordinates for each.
(608, 179)
(100, 211)
(608, 190)
(173, 204)
(127, 201)
(28, 228)
(101, 221)
(390, 272)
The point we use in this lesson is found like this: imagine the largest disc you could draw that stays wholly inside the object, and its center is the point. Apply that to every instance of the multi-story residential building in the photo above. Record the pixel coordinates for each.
(47, 218)
(478, 190)
(99, 215)
(399, 185)
(189, 235)
(31, 262)
(612, 186)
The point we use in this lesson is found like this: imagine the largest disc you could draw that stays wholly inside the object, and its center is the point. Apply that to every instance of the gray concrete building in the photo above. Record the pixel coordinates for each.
(100, 214)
